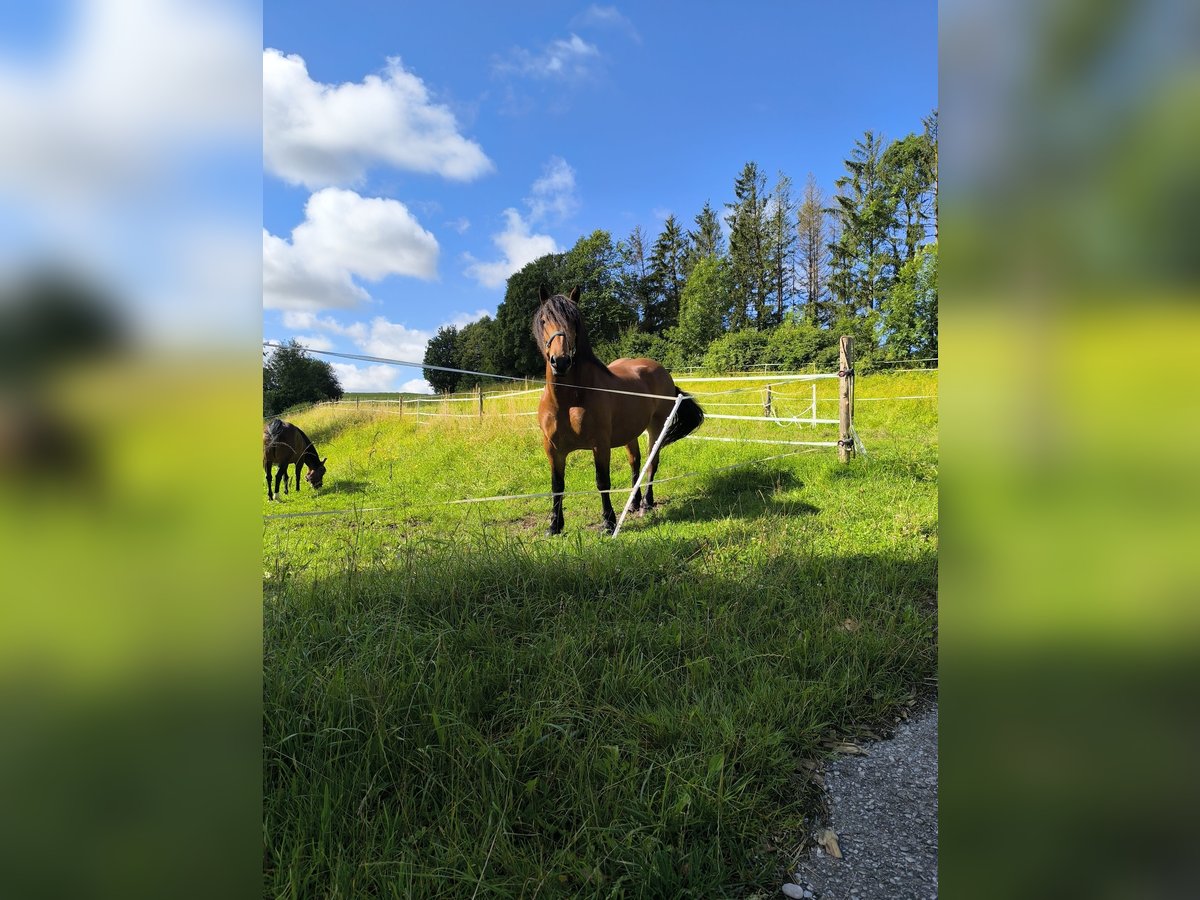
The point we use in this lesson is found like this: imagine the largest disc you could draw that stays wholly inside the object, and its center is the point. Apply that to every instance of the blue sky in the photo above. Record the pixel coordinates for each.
(415, 154)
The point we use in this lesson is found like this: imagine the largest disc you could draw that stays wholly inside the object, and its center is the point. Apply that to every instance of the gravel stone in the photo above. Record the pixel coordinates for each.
(883, 808)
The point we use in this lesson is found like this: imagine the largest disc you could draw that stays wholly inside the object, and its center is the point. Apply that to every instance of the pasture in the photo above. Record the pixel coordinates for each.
(456, 704)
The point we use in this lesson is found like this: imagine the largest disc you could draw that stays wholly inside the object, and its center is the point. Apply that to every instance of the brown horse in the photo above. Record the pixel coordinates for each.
(285, 444)
(590, 406)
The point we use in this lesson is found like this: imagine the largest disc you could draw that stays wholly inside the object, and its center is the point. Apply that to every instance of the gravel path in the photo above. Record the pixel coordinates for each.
(883, 809)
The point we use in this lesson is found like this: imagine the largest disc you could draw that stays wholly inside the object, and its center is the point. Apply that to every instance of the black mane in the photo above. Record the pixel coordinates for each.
(309, 457)
(563, 313)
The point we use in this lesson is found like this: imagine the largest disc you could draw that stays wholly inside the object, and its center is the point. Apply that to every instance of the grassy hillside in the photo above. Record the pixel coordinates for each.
(454, 700)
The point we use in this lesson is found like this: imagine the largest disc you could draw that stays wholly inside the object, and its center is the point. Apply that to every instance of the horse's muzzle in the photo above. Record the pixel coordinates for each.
(559, 365)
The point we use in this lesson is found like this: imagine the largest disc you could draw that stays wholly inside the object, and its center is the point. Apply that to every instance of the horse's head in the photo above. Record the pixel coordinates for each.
(316, 475)
(558, 329)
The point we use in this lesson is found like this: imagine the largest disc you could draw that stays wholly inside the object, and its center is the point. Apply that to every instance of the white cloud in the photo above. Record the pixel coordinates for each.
(305, 321)
(460, 225)
(319, 134)
(380, 337)
(392, 340)
(554, 193)
(552, 196)
(365, 378)
(565, 58)
(344, 235)
(132, 83)
(606, 17)
(461, 320)
(519, 247)
(661, 212)
(417, 386)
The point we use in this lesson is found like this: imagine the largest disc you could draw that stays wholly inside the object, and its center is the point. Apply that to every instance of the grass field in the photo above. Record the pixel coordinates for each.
(455, 703)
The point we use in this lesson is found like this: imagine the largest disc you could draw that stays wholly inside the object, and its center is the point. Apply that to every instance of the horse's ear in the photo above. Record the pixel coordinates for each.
(574, 295)
(543, 294)
(325, 460)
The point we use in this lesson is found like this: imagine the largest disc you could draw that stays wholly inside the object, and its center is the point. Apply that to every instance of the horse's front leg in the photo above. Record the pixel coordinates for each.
(280, 476)
(267, 469)
(298, 466)
(603, 483)
(558, 480)
(648, 504)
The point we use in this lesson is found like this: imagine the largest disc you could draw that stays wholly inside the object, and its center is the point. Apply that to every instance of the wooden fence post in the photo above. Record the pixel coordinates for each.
(845, 391)
(400, 401)
(814, 406)
(479, 390)
(767, 403)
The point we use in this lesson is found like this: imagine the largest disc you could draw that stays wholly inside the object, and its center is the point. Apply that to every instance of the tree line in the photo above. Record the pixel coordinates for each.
(794, 272)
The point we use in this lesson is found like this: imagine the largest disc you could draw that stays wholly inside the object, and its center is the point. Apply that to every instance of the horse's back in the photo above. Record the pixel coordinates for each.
(280, 440)
(645, 376)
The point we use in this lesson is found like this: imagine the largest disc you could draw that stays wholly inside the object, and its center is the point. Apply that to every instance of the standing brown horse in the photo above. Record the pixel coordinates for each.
(285, 444)
(590, 406)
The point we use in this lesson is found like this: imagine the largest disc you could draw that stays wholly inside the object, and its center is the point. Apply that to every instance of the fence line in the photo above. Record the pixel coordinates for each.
(538, 496)
(781, 420)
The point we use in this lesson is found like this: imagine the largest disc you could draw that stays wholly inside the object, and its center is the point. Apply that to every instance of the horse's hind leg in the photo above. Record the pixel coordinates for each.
(267, 468)
(603, 483)
(298, 465)
(655, 430)
(280, 475)
(635, 466)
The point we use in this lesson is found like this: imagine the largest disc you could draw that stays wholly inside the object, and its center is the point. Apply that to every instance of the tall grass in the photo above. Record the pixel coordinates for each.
(455, 703)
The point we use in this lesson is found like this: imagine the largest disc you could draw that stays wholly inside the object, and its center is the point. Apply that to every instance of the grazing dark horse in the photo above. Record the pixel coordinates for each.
(582, 409)
(283, 445)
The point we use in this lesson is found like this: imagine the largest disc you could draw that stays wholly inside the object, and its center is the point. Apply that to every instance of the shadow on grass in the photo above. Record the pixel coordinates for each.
(580, 705)
(331, 429)
(740, 493)
(345, 486)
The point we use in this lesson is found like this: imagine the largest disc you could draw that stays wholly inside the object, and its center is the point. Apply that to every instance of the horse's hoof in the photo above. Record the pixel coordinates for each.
(553, 531)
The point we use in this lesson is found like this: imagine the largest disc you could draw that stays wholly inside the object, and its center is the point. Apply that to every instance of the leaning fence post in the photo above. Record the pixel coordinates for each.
(679, 398)
(845, 392)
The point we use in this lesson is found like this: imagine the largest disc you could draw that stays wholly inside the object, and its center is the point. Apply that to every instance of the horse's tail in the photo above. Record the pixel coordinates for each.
(687, 419)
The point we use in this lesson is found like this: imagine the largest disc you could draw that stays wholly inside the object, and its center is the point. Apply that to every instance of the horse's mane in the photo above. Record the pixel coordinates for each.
(562, 312)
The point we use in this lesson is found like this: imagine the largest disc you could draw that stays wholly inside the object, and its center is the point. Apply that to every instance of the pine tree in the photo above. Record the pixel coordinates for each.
(866, 209)
(812, 253)
(666, 274)
(781, 256)
(706, 240)
(634, 281)
(748, 244)
(931, 137)
(907, 170)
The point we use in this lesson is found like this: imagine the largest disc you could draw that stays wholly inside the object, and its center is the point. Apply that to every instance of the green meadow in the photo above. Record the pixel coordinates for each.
(457, 705)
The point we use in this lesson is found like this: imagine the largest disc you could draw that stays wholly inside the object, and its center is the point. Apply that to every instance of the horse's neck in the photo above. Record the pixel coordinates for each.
(571, 389)
(308, 456)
